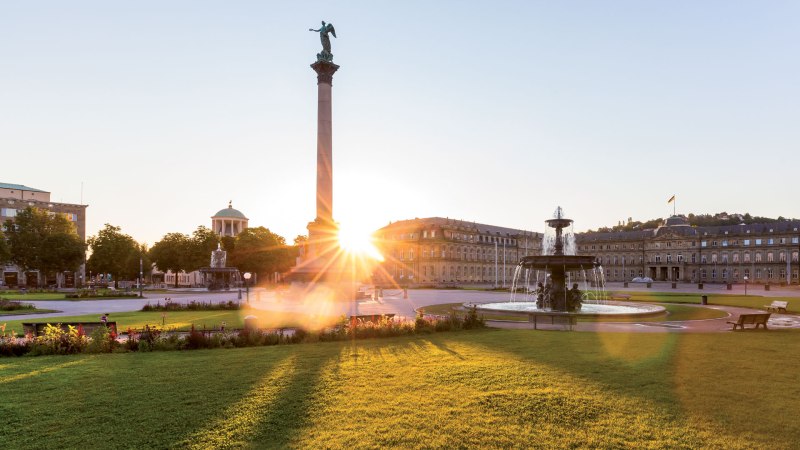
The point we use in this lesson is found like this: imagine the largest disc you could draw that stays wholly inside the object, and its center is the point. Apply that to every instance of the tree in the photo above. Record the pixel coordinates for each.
(260, 251)
(172, 252)
(5, 254)
(116, 253)
(38, 239)
(202, 243)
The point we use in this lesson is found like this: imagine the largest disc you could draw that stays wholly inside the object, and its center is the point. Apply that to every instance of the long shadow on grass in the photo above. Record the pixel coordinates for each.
(273, 412)
(632, 364)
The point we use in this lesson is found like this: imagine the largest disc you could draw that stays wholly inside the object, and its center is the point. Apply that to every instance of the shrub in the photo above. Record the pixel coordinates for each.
(10, 345)
(57, 341)
(92, 293)
(473, 320)
(132, 343)
(169, 305)
(102, 340)
(9, 305)
(197, 339)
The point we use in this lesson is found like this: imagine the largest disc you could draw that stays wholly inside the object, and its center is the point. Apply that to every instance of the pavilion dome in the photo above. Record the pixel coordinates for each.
(229, 221)
(229, 213)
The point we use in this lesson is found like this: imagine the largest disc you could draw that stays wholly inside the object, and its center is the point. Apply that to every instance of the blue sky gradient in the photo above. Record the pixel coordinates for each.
(494, 112)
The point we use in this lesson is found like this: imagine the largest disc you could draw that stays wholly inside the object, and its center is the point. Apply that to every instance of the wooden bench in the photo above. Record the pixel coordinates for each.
(625, 297)
(777, 306)
(37, 328)
(751, 319)
(556, 318)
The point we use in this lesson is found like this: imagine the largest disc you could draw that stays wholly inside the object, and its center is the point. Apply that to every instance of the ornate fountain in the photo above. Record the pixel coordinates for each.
(218, 276)
(558, 263)
(553, 294)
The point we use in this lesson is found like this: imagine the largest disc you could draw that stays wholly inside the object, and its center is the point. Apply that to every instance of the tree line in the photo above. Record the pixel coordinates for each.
(48, 242)
(256, 250)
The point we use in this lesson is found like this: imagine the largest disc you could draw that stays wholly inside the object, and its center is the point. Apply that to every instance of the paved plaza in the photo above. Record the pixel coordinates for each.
(394, 302)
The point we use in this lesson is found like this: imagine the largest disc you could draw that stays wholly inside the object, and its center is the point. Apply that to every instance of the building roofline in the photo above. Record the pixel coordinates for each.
(21, 187)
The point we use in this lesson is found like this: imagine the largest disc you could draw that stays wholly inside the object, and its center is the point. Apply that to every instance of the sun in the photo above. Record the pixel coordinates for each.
(358, 241)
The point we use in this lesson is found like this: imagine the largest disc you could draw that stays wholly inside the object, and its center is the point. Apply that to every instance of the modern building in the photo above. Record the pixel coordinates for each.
(15, 198)
(439, 251)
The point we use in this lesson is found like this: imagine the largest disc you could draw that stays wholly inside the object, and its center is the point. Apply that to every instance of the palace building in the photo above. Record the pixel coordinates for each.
(437, 251)
(15, 198)
(442, 251)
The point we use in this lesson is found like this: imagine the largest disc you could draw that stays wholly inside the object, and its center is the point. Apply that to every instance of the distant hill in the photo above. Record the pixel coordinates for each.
(696, 220)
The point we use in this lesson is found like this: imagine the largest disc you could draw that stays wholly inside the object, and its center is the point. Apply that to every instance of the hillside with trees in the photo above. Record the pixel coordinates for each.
(695, 220)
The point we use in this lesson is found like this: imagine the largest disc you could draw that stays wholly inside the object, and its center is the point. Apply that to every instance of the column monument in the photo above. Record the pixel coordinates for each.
(322, 246)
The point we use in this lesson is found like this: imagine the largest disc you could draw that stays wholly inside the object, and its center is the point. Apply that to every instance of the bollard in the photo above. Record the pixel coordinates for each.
(699, 285)
(703, 299)
(250, 323)
(649, 285)
(766, 287)
(674, 285)
(625, 284)
(405, 293)
(730, 287)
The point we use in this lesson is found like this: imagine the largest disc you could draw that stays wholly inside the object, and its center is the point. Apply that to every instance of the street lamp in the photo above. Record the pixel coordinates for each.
(141, 278)
(745, 286)
(247, 276)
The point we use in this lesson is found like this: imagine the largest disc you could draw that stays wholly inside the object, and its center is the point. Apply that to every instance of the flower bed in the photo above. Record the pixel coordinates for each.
(56, 340)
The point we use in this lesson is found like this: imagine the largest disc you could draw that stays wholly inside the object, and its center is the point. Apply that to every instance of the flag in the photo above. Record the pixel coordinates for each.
(671, 199)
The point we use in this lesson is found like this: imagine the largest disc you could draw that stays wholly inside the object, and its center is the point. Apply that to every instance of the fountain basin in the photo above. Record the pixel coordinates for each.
(607, 309)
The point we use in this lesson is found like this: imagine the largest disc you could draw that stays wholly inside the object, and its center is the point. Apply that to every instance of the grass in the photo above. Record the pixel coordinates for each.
(674, 312)
(479, 389)
(20, 312)
(749, 301)
(183, 320)
(34, 296)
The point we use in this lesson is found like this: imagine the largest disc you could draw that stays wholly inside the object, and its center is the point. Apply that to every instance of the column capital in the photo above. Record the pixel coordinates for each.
(325, 71)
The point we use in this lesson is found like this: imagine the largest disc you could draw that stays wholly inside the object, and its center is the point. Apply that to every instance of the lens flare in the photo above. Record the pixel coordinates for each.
(358, 241)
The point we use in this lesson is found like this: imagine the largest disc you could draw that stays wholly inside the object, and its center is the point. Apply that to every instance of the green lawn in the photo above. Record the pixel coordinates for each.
(34, 296)
(674, 312)
(749, 301)
(183, 320)
(26, 311)
(479, 389)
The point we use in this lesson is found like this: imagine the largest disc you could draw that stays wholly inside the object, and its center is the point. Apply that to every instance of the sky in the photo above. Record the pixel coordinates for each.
(157, 113)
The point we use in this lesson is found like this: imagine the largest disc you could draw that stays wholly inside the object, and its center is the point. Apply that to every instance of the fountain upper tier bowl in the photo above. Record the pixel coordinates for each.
(566, 262)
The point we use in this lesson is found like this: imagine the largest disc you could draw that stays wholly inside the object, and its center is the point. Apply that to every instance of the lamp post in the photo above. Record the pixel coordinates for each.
(141, 278)
(247, 276)
(745, 286)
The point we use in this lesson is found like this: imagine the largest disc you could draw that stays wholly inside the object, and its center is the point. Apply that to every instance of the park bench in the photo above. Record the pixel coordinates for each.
(625, 297)
(751, 319)
(37, 328)
(555, 317)
(777, 306)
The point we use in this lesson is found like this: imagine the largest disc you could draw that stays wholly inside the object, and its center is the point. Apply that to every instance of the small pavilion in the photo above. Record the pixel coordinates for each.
(229, 221)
